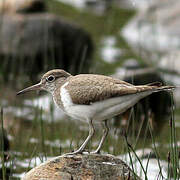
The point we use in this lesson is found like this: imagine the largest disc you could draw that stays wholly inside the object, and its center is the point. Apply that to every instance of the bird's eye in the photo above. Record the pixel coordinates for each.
(50, 78)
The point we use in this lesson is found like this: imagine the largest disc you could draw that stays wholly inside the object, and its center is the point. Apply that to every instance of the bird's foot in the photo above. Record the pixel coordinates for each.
(73, 153)
(83, 151)
(79, 151)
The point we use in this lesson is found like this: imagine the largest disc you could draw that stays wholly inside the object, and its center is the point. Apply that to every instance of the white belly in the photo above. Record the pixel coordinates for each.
(99, 111)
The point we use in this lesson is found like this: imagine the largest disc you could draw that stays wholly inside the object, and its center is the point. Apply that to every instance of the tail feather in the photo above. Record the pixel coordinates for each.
(158, 84)
(154, 87)
(165, 88)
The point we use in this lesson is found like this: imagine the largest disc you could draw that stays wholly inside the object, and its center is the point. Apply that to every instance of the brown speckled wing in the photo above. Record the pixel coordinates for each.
(86, 89)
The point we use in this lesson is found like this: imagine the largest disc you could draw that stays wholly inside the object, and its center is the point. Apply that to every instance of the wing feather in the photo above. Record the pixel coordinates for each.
(86, 89)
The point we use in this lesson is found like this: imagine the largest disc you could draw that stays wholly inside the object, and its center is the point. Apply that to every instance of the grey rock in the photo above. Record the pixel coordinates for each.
(155, 29)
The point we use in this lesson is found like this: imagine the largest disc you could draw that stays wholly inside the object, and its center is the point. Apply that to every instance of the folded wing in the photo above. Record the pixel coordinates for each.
(86, 89)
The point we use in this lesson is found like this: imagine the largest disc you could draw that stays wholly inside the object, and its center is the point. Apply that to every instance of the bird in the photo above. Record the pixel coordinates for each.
(92, 98)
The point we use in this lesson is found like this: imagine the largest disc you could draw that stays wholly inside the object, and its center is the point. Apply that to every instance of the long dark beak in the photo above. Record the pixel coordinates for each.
(31, 88)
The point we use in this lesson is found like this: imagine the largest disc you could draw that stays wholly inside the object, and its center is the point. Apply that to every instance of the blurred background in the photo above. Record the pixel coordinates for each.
(134, 40)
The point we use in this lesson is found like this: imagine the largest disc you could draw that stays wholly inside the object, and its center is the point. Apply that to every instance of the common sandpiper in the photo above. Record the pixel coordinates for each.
(93, 98)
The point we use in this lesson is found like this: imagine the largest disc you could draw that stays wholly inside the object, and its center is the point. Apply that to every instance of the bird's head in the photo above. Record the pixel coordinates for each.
(49, 81)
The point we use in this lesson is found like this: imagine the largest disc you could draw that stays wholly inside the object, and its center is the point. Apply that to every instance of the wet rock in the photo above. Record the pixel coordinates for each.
(34, 43)
(23, 6)
(85, 167)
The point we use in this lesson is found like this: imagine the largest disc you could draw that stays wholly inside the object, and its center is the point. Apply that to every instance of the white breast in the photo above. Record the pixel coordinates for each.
(65, 96)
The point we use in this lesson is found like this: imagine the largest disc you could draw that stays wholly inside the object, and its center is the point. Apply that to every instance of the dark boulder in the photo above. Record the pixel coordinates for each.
(34, 43)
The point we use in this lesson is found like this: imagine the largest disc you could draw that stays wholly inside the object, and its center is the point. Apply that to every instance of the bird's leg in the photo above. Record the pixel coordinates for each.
(91, 133)
(105, 133)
